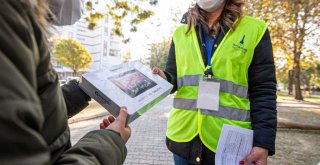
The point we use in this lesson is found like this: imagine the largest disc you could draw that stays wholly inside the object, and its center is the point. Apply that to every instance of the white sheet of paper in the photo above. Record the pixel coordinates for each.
(208, 95)
(235, 143)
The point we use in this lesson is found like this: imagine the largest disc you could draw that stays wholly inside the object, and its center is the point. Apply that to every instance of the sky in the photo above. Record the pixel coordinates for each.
(157, 28)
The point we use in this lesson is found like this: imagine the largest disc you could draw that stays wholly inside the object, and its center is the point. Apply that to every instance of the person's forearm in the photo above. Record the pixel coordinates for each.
(262, 95)
(171, 68)
(97, 147)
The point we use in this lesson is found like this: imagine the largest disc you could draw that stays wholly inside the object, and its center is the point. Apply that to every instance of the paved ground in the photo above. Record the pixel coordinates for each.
(147, 143)
(296, 147)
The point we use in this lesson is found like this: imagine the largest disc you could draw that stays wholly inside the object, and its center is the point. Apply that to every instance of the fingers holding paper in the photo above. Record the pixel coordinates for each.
(257, 156)
(118, 124)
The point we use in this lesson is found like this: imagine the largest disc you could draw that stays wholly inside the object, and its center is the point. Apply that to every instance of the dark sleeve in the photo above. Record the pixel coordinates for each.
(97, 147)
(21, 116)
(262, 95)
(76, 100)
(171, 68)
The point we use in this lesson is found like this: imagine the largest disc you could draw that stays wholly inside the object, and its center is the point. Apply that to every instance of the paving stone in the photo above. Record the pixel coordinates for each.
(147, 142)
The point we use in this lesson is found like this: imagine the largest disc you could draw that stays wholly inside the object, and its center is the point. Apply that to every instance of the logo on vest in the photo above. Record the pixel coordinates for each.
(240, 46)
(242, 41)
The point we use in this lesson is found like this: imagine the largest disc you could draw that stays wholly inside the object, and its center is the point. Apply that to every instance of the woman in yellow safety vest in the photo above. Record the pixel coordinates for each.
(232, 54)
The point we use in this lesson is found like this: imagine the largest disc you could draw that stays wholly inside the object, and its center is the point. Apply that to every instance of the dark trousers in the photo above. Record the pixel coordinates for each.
(193, 152)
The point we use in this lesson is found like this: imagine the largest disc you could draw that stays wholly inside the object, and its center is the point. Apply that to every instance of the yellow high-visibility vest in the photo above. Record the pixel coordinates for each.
(229, 63)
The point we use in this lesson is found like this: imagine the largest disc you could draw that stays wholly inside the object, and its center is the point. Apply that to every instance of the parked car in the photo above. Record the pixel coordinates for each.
(73, 78)
(62, 82)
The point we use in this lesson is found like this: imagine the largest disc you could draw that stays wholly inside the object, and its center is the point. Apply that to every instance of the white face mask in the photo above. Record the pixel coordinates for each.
(210, 5)
(66, 12)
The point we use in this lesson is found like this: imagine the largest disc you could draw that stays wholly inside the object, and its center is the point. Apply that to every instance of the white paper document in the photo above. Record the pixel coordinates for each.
(235, 143)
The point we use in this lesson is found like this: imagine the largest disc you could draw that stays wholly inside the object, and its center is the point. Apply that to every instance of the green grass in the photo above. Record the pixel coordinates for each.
(284, 96)
(315, 100)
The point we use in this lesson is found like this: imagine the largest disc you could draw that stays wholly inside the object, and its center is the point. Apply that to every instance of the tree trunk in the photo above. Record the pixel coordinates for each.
(290, 82)
(75, 73)
(298, 94)
(297, 45)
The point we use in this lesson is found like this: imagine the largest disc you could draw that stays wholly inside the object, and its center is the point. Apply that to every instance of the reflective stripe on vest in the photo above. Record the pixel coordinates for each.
(224, 112)
(225, 86)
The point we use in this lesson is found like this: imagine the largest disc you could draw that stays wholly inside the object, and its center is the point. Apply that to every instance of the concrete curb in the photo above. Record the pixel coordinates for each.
(87, 117)
(285, 123)
(294, 125)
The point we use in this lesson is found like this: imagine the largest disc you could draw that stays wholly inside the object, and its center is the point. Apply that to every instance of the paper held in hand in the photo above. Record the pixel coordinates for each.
(132, 85)
(235, 143)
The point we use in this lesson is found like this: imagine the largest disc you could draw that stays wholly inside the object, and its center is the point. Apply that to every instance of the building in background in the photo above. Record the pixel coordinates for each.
(100, 42)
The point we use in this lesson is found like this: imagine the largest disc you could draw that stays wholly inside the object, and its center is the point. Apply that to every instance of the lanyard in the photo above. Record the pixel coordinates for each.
(209, 41)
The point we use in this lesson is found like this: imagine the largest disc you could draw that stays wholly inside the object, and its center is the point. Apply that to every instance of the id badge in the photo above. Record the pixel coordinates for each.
(208, 95)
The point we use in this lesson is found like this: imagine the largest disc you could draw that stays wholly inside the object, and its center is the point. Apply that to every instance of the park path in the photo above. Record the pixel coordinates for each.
(147, 142)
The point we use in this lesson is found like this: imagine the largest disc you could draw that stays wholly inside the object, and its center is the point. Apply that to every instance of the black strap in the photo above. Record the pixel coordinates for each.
(208, 72)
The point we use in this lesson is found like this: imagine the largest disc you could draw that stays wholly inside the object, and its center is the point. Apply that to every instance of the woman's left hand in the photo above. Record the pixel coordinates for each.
(257, 156)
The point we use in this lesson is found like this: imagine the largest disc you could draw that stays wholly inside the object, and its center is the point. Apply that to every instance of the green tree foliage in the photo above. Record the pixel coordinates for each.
(159, 53)
(70, 53)
(291, 24)
(121, 11)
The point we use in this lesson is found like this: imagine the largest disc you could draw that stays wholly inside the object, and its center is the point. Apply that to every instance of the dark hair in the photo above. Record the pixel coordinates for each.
(232, 11)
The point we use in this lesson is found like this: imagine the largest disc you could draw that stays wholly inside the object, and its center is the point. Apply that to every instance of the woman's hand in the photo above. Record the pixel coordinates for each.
(106, 122)
(156, 70)
(118, 124)
(257, 156)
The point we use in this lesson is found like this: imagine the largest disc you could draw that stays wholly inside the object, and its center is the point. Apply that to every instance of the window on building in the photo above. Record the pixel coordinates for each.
(106, 31)
(105, 48)
(80, 39)
(81, 30)
(70, 34)
(114, 52)
(106, 19)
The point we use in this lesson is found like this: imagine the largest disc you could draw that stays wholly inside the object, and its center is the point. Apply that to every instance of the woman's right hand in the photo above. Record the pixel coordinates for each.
(156, 70)
(118, 124)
